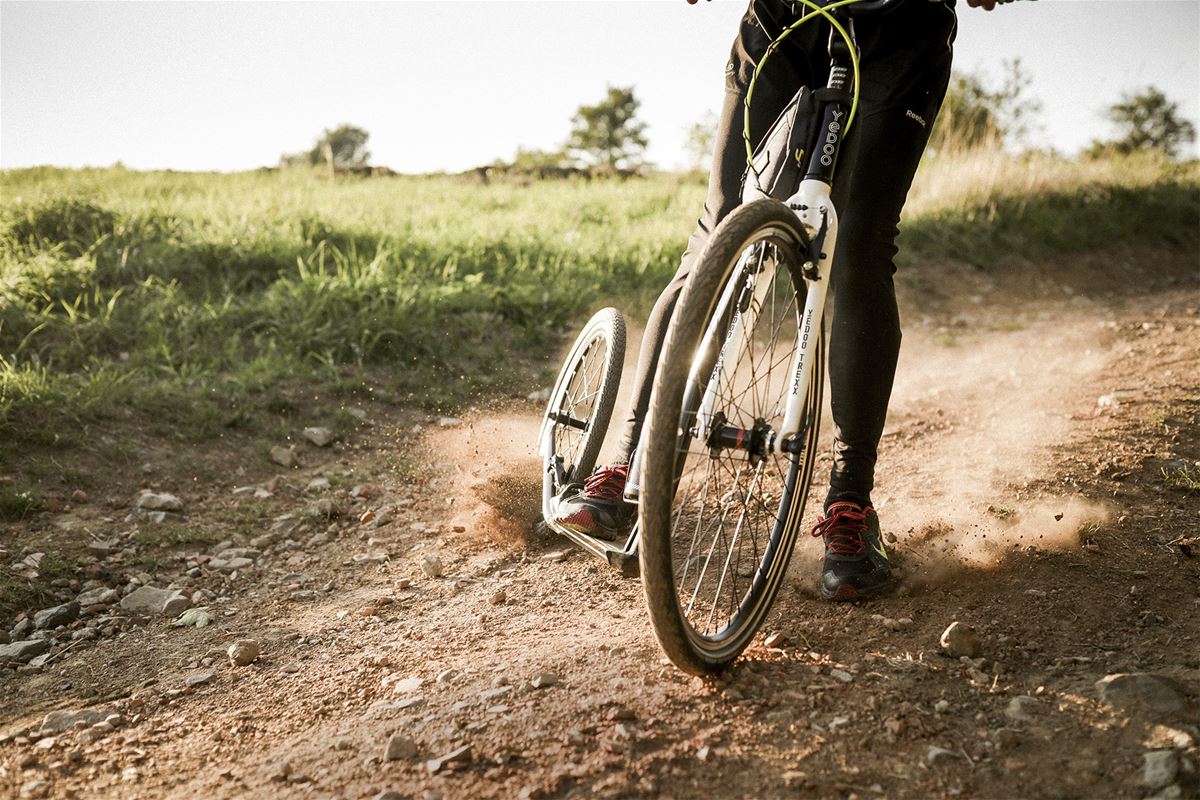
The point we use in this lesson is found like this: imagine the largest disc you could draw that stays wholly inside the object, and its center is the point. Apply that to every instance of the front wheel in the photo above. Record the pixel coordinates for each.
(720, 510)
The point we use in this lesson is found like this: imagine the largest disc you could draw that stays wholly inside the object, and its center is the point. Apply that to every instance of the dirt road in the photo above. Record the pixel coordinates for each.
(1035, 472)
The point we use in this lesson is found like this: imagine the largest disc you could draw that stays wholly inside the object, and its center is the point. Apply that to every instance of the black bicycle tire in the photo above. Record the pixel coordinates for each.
(610, 325)
(689, 320)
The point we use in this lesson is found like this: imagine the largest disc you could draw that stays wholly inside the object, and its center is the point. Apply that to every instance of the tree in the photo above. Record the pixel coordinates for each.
(699, 142)
(609, 133)
(341, 147)
(1147, 120)
(531, 159)
(974, 115)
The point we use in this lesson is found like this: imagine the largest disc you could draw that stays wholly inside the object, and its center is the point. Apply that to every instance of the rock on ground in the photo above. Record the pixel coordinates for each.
(319, 437)
(1022, 709)
(1143, 693)
(59, 721)
(940, 755)
(455, 757)
(151, 601)
(101, 594)
(399, 748)
(155, 501)
(53, 617)
(24, 650)
(283, 456)
(1159, 768)
(244, 652)
(432, 566)
(960, 640)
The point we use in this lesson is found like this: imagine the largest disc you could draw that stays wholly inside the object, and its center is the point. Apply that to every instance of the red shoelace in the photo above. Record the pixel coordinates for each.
(607, 483)
(843, 529)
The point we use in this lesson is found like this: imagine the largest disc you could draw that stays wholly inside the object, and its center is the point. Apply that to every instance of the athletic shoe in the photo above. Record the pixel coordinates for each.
(856, 562)
(598, 508)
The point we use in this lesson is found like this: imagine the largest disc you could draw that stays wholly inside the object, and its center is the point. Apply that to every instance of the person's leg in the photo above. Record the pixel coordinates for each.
(788, 70)
(907, 74)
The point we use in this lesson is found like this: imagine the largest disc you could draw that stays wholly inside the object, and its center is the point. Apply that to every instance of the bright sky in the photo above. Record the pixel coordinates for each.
(451, 85)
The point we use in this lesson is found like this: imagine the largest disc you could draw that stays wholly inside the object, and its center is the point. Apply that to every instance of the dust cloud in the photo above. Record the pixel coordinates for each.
(978, 421)
(966, 470)
(496, 483)
(497, 479)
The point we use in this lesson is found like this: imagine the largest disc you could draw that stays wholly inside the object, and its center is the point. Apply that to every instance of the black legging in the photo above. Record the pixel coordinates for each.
(905, 68)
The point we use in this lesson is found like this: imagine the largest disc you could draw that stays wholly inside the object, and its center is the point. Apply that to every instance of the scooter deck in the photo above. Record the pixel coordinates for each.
(623, 557)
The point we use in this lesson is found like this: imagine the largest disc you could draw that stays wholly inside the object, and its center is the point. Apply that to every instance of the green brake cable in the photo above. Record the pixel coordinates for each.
(816, 11)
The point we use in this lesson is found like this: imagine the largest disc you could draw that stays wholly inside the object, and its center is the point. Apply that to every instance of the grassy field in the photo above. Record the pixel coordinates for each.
(198, 301)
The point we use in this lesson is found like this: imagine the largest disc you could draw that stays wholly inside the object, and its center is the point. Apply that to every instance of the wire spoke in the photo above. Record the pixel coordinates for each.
(728, 502)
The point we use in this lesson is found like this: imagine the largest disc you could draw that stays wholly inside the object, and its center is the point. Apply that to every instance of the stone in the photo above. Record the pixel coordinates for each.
(193, 618)
(407, 685)
(940, 755)
(448, 422)
(1022, 709)
(318, 485)
(776, 640)
(319, 437)
(60, 721)
(24, 650)
(200, 677)
(244, 652)
(151, 601)
(34, 788)
(399, 748)
(432, 566)
(454, 758)
(156, 501)
(53, 617)
(841, 675)
(959, 640)
(230, 564)
(283, 456)
(1159, 768)
(99, 595)
(100, 548)
(544, 680)
(1006, 738)
(1143, 693)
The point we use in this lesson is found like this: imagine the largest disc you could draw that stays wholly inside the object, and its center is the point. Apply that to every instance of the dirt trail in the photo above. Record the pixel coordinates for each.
(1023, 503)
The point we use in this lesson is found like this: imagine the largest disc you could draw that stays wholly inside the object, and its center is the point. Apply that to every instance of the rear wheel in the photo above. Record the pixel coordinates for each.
(719, 516)
(581, 402)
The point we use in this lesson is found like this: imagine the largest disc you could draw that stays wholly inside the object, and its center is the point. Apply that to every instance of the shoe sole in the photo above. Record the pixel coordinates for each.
(848, 594)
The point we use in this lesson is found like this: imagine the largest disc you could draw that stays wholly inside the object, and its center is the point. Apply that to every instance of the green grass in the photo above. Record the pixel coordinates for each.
(197, 303)
(16, 504)
(1185, 479)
